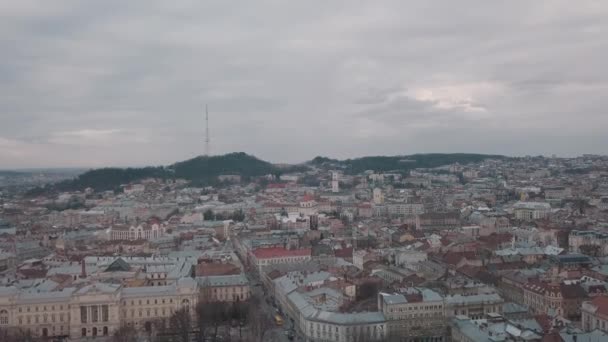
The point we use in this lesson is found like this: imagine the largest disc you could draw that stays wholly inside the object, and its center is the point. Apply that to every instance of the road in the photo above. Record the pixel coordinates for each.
(275, 333)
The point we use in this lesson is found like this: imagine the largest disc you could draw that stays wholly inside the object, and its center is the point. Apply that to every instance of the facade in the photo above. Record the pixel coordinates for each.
(547, 298)
(262, 257)
(335, 181)
(595, 314)
(97, 309)
(140, 232)
(378, 196)
(404, 209)
(592, 242)
(415, 315)
(224, 288)
(529, 211)
(473, 306)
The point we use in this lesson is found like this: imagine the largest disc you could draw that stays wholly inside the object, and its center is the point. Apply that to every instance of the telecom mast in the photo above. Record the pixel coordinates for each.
(207, 140)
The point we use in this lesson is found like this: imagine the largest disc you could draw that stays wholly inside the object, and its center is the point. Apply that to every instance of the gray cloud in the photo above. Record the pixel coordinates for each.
(125, 83)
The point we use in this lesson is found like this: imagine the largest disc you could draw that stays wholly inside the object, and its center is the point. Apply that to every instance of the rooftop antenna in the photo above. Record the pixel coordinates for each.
(206, 131)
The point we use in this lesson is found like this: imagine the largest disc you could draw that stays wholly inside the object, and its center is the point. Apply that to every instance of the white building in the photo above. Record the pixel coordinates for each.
(378, 196)
(529, 211)
(335, 181)
(97, 309)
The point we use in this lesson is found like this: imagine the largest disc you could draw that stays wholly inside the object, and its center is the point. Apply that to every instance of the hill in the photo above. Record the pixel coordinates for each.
(204, 170)
(402, 163)
(200, 171)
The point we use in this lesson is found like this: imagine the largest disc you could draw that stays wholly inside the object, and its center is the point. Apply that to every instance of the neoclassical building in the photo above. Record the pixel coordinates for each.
(95, 309)
(146, 231)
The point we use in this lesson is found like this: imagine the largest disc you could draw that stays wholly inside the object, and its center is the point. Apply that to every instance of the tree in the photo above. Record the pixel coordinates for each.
(367, 289)
(180, 324)
(238, 215)
(258, 323)
(208, 215)
(590, 250)
(125, 334)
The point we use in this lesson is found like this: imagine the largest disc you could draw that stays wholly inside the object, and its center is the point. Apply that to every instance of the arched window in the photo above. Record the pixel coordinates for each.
(84, 332)
(94, 331)
(105, 331)
(3, 317)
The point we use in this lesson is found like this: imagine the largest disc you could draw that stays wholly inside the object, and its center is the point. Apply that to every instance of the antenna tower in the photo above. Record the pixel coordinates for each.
(207, 140)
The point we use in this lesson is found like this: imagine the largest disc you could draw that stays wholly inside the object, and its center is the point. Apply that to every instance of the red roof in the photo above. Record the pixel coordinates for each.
(602, 305)
(276, 252)
(308, 198)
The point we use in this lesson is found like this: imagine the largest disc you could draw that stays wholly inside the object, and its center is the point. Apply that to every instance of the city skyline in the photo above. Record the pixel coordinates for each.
(125, 84)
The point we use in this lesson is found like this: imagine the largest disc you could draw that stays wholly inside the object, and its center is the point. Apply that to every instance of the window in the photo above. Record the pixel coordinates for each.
(83, 315)
(3, 317)
(94, 314)
(105, 313)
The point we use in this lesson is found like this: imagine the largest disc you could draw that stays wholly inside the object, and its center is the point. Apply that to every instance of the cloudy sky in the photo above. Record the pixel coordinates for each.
(114, 82)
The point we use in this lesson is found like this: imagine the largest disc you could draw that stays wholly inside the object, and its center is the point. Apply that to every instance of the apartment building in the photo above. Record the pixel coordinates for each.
(529, 211)
(562, 299)
(262, 257)
(414, 315)
(595, 314)
(588, 242)
(474, 306)
(224, 288)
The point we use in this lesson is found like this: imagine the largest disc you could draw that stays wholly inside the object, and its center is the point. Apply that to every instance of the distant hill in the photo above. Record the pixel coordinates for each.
(402, 163)
(204, 170)
(200, 170)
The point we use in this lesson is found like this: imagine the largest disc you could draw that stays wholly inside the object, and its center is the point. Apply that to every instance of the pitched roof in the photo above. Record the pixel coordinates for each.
(601, 303)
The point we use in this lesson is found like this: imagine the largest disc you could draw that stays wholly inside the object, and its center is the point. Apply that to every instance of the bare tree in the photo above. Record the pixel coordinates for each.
(180, 324)
(125, 334)
(258, 323)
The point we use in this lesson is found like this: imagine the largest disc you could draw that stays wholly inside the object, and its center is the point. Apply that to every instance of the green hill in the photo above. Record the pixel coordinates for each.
(207, 168)
(402, 163)
(200, 171)
(204, 170)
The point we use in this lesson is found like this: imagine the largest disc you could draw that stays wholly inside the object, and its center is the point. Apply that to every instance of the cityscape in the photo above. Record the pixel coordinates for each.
(306, 171)
(476, 248)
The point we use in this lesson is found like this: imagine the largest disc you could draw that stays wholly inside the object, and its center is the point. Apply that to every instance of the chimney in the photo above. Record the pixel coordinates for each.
(84, 269)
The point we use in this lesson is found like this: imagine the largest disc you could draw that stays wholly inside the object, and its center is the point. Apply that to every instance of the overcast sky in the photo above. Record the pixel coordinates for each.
(114, 82)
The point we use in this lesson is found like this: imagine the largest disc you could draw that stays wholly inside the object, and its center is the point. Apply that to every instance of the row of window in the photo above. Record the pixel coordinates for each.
(415, 308)
(124, 302)
(44, 308)
(36, 319)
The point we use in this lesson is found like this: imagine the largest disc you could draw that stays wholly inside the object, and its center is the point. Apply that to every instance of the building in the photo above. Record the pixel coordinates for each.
(473, 306)
(493, 328)
(335, 181)
(315, 310)
(145, 231)
(551, 298)
(262, 257)
(378, 196)
(588, 242)
(557, 193)
(224, 288)
(529, 211)
(96, 309)
(436, 220)
(595, 314)
(418, 314)
(404, 209)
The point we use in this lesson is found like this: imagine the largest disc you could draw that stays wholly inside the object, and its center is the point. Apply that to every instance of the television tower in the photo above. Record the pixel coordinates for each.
(207, 140)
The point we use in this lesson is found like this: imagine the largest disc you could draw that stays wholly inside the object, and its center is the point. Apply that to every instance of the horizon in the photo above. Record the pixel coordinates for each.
(86, 168)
